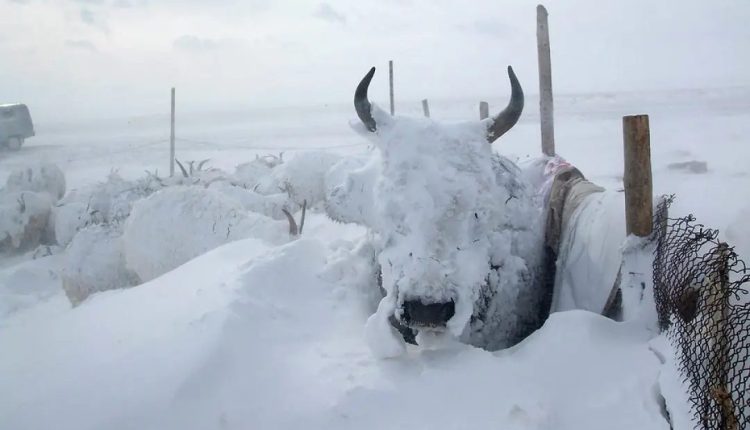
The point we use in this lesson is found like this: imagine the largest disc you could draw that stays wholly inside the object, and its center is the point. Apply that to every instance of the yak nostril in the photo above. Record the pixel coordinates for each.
(433, 314)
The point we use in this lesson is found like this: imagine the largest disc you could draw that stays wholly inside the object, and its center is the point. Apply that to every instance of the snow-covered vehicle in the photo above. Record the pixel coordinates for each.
(15, 125)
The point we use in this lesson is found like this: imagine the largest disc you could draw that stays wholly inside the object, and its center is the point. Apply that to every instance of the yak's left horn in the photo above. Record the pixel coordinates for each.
(506, 119)
(361, 104)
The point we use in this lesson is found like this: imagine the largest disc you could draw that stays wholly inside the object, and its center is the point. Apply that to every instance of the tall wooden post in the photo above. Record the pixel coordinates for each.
(637, 177)
(390, 76)
(545, 82)
(484, 110)
(171, 139)
(426, 108)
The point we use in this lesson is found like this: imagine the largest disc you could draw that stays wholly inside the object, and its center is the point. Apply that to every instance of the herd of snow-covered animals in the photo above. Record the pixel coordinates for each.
(462, 239)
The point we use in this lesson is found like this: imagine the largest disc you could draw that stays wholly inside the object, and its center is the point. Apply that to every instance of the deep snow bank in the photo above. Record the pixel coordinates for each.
(237, 339)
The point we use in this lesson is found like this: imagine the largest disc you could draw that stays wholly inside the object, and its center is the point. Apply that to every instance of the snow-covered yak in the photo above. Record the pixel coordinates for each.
(459, 229)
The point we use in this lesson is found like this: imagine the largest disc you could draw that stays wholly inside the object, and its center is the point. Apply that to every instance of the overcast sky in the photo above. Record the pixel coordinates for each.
(95, 58)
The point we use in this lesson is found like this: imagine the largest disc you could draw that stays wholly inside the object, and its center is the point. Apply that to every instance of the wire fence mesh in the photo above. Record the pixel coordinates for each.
(701, 294)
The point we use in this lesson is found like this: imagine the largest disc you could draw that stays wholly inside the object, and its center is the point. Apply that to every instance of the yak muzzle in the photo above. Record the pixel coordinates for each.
(417, 314)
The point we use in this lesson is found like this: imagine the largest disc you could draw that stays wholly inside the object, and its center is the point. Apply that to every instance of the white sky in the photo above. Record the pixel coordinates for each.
(99, 58)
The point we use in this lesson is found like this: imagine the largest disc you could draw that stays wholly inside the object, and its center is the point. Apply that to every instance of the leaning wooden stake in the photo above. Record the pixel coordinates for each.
(637, 177)
(171, 139)
(390, 75)
(484, 110)
(545, 82)
(717, 303)
(426, 108)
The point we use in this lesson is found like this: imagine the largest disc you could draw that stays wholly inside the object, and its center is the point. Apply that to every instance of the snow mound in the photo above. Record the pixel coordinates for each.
(95, 261)
(177, 224)
(47, 178)
(234, 339)
(28, 283)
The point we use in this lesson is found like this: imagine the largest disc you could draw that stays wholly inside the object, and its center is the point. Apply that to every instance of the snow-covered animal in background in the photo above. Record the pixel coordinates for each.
(39, 178)
(25, 206)
(177, 224)
(460, 230)
(24, 219)
(107, 202)
(250, 174)
(120, 232)
(94, 262)
(300, 177)
(271, 205)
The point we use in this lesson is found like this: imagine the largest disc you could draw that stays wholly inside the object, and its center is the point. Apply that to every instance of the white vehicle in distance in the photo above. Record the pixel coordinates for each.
(15, 125)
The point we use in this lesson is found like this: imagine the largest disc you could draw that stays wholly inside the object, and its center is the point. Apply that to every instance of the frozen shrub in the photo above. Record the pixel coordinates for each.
(95, 262)
(39, 178)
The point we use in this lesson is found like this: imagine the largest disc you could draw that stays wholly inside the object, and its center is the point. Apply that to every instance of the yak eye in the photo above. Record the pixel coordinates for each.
(476, 215)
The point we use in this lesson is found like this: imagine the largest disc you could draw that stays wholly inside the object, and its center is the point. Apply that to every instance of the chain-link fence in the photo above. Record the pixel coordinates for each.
(701, 294)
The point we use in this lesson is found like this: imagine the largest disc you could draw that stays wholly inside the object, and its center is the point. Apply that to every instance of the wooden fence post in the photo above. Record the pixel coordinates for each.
(390, 75)
(545, 82)
(484, 110)
(171, 139)
(717, 303)
(637, 177)
(426, 108)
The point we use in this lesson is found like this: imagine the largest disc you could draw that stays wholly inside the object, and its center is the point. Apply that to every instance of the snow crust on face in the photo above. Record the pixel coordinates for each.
(442, 208)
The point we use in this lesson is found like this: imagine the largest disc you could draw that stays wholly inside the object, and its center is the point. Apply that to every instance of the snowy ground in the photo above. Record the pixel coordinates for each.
(252, 336)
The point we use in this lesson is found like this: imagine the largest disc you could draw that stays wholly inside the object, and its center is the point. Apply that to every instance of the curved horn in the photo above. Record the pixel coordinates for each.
(361, 104)
(506, 119)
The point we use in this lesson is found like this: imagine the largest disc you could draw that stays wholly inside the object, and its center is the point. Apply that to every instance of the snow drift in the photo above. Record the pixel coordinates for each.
(233, 339)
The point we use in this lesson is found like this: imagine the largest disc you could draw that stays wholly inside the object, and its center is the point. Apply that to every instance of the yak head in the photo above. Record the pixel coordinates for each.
(447, 212)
